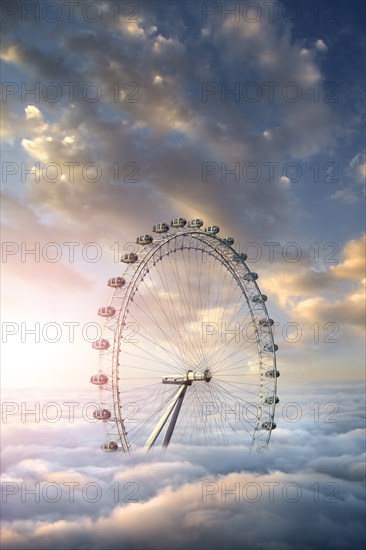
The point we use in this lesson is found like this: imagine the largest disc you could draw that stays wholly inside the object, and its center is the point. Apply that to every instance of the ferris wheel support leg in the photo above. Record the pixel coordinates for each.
(173, 421)
(160, 425)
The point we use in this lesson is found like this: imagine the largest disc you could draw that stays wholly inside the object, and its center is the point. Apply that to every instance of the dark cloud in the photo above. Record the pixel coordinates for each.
(171, 109)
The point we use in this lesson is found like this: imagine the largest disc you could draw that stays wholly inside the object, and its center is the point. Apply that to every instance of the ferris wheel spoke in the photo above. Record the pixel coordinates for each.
(243, 386)
(231, 386)
(224, 348)
(195, 330)
(222, 363)
(135, 367)
(215, 398)
(222, 295)
(170, 351)
(158, 360)
(239, 365)
(186, 315)
(206, 307)
(175, 364)
(221, 387)
(195, 314)
(194, 410)
(175, 324)
(235, 333)
(226, 400)
(202, 311)
(145, 425)
(179, 320)
(143, 332)
(246, 350)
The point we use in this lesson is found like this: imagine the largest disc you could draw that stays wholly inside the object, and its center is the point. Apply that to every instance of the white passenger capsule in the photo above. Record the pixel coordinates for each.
(130, 258)
(107, 311)
(195, 224)
(110, 447)
(102, 414)
(144, 239)
(250, 277)
(116, 282)
(228, 240)
(161, 228)
(239, 257)
(270, 347)
(269, 425)
(271, 400)
(178, 222)
(259, 298)
(266, 322)
(273, 373)
(99, 379)
(212, 230)
(101, 344)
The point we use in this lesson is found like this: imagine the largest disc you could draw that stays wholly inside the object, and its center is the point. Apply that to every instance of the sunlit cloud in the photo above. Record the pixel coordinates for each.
(321, 45)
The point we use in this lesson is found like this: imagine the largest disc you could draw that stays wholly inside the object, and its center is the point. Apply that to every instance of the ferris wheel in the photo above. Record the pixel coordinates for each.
(187, 352)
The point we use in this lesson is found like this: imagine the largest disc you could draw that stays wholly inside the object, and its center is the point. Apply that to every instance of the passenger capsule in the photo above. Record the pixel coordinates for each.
(271, 400)
(178, 222)
(102, 414)
(99, 379)
(130, 258)
(116, 282)
(144, 239)
(259, 298)
(228, 240)
(273, 373)
(239, 257)
(160, 228)
(107, 311)
(269, 425)
(100, 344)
(110, 447)
(270, 347)
(250, 277)
(195, 224)
(266, 322)
(212, 229)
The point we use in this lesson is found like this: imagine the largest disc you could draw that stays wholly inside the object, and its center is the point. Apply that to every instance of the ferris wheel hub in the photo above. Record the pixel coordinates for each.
(190, 376)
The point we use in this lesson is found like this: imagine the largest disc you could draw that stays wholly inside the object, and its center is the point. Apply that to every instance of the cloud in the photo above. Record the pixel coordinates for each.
(353, 265)
(321, 45)
(355, 191)
(350, 310)
(33, 112)
(358, 167)
(11, 54)
(8, 122)
(284, 180)
(345, 195)
(168, 131)
(212, 496)
(304, 277)
(289, 285)
(46, 258)
(341, 467)
(210, 513)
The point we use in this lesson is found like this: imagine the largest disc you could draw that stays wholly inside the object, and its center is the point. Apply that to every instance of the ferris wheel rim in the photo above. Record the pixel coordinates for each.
(136, 273)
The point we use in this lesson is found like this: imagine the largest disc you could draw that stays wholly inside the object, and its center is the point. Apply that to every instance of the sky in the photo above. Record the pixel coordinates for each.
(120, 115)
